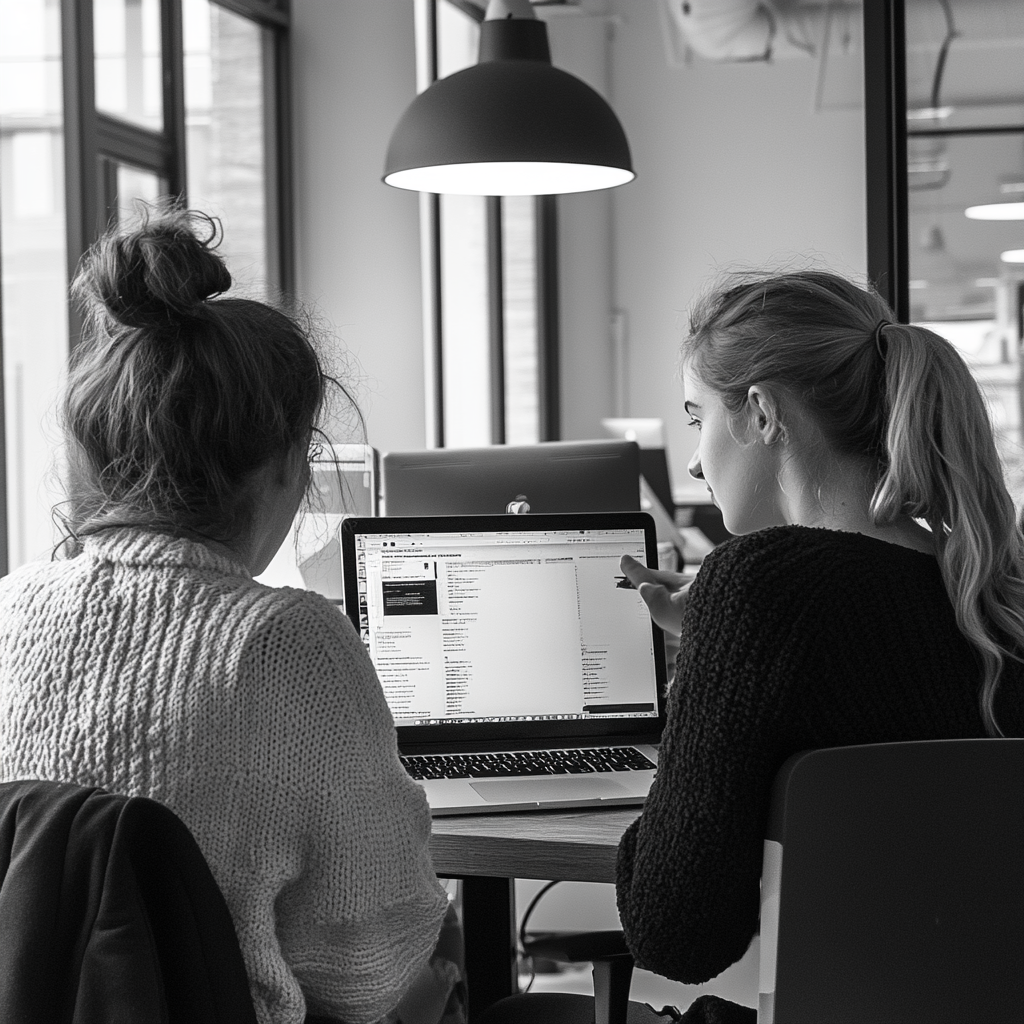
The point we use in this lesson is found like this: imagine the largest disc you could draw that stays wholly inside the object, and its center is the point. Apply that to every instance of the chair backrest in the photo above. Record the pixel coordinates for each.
(893, 885)
(108, 911)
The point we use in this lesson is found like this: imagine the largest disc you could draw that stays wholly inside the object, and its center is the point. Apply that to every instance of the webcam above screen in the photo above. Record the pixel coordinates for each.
(553, 476)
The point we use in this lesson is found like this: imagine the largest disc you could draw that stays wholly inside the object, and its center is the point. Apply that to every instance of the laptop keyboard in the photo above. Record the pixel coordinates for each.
(525, 762)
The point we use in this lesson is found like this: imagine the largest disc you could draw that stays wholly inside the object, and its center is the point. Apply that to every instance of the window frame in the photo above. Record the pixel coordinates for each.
(885, 152)
(92, 136)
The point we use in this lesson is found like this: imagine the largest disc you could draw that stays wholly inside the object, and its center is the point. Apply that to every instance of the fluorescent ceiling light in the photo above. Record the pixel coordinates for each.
(929, 113)
(1012, 256)
(996, 211)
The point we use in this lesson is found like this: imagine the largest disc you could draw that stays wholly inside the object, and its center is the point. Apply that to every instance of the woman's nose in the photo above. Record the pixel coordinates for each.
(694, 468)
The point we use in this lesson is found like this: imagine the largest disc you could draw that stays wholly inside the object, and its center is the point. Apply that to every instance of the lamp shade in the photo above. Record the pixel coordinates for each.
(509, 125)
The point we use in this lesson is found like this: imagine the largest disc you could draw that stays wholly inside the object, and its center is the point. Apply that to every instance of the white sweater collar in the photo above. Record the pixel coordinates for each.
(129, 546)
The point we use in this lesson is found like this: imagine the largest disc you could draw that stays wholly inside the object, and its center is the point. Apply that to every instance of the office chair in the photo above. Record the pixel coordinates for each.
(109, 912)
(892, 892)
(892, 889)
(610, 1004)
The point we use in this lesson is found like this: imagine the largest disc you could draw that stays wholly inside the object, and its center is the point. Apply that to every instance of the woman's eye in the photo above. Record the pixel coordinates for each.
(693, 423)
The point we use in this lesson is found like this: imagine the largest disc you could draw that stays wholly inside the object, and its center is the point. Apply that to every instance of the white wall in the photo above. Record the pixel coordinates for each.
(733, 167)
(580, 45)
(358, 249)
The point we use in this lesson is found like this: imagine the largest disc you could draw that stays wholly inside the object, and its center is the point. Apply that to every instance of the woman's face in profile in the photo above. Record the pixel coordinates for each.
(740, 471)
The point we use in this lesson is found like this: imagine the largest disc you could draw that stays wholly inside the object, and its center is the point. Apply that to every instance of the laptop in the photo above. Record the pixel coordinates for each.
(344, 482)
(554, 476)
(521, 669)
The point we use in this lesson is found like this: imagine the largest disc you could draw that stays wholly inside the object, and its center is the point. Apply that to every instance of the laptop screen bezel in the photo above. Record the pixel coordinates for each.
(472, 733)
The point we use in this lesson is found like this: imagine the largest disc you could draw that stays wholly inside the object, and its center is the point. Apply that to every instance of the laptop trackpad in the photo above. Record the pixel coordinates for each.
(515, 791)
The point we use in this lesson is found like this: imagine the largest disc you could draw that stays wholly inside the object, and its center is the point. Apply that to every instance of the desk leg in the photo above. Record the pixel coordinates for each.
(489, 922)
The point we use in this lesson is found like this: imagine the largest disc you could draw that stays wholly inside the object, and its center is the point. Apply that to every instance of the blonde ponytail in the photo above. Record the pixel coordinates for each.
(942, 466)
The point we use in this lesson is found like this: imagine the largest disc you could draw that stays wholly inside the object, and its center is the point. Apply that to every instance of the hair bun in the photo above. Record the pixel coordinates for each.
(157, 273)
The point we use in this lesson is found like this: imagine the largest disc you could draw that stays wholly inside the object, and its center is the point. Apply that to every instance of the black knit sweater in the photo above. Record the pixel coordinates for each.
(792, 638)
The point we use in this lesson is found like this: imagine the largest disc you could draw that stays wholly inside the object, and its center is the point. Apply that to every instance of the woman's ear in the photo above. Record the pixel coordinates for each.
(286, 468)
(763, 415)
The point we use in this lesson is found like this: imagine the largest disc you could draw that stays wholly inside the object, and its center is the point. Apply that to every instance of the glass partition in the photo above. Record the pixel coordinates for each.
(965, 180)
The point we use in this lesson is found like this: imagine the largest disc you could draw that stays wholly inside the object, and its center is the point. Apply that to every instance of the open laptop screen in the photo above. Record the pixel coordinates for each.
(494, 621)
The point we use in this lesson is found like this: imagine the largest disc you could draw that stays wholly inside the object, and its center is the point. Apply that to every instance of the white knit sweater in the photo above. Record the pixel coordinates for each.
(150, 666)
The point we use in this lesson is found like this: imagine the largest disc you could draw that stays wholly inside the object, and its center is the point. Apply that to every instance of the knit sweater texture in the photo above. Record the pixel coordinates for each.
(792, 638)
(149, 665)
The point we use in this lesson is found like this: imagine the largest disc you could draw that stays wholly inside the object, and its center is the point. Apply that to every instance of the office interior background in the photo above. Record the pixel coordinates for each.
(467, 321)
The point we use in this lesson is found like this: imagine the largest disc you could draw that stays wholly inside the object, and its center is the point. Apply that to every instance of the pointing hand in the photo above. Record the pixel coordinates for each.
(663, 592)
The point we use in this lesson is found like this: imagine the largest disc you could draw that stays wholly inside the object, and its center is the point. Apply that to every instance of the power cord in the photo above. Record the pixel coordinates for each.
(522, 931)
(671, 1012)
(940, 63)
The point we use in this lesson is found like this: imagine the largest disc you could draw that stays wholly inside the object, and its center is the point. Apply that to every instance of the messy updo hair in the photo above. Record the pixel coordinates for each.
(175, 395)
(901, 399)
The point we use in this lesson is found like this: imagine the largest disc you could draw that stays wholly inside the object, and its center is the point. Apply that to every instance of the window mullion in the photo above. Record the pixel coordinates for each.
(430, 227)
(548, 346)
(81, 183)
(266, 12)
(132, 144)
(277, 160)
(173, 61)
(496, 317)
(885, 123)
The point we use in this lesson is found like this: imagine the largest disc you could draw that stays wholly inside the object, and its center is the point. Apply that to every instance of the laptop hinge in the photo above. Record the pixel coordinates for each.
(484, 746)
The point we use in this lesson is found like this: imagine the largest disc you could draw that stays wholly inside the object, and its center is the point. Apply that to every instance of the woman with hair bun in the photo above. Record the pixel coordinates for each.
(874, 593)
(151, 663)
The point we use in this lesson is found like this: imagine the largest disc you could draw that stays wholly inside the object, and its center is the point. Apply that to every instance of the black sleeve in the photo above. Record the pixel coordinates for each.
(689, 868)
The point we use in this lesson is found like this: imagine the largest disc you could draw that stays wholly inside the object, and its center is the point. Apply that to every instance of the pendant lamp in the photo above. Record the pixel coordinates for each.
(510, 125)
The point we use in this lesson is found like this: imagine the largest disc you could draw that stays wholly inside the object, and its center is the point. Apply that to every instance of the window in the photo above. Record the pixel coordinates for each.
(489, 285)
(965, 148)
(127, 61)
(154, 99)
(229, 94)
(33, 259)
(945, 130)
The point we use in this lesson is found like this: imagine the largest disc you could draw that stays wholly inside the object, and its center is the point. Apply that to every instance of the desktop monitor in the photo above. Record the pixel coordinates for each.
(649, 434)
(554, 476)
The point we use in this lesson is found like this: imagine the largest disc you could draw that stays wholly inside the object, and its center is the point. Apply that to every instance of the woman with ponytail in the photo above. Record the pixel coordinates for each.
(148, 661)
(874, 591)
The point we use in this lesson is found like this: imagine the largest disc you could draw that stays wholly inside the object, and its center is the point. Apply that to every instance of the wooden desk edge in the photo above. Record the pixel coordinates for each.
(573, 846)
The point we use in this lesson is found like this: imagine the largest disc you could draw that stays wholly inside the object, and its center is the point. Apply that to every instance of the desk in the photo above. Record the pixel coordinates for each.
(489, 851)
